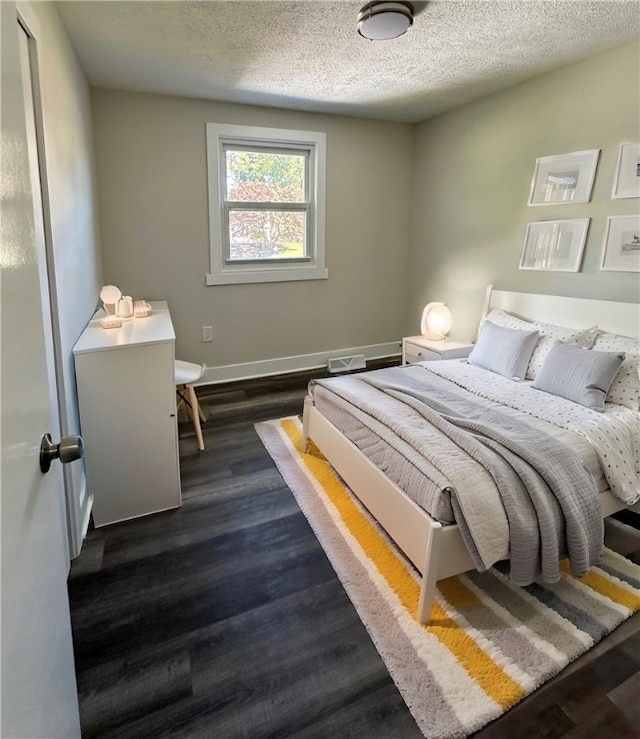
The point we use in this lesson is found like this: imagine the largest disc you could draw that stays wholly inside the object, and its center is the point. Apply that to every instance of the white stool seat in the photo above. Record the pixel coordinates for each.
(186, 373)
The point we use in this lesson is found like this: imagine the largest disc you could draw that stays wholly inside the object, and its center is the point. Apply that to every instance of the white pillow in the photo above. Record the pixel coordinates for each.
(625, 389)
(549, 332)
(505, 351)
(578, 374)
(504, 318)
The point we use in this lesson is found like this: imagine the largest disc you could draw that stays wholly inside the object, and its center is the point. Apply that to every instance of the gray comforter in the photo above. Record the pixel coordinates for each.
(550, 500)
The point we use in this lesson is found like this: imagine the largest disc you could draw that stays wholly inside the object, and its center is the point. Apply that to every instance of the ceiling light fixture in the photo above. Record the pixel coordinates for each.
(380, 21)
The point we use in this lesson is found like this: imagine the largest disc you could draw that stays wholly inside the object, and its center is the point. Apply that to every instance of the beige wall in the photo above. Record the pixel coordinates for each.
(473, 173)
(152, 187)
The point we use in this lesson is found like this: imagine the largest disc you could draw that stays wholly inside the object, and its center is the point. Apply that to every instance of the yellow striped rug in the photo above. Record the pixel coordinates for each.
(488, 644)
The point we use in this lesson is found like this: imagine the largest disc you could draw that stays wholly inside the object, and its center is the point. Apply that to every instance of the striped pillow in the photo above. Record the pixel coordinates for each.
(548, 332)
(581, 375)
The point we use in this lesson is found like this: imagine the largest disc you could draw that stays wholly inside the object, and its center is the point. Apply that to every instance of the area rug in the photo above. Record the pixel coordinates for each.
(488, 644)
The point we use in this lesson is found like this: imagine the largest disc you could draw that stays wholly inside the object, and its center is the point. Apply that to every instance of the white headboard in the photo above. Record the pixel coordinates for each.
(616, 318)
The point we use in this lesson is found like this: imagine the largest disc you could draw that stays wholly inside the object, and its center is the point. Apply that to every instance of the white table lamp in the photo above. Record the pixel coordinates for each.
(110, 295)
(436, 321)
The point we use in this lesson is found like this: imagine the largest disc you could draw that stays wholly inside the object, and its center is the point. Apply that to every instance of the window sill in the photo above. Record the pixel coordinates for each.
(246, 276)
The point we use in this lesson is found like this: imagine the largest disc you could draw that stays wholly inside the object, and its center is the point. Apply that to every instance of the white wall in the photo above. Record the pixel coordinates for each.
(152, 185)
(72, 231)
(473, 173)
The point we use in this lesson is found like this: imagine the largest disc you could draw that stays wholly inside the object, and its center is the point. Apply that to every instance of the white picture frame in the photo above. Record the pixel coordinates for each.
(554, 246)
(626, 181)
(564, 178)
(621, 244)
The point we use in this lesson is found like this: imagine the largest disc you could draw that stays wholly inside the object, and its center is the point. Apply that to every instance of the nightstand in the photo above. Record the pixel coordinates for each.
(419, 349)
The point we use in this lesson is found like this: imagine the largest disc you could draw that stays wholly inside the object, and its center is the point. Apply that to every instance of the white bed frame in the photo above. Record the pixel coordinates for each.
(438, 551)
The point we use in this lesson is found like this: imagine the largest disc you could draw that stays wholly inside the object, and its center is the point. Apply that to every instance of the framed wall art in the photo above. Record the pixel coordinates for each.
(564, 179)
(555, 245)
(621, 247)
(626, 181)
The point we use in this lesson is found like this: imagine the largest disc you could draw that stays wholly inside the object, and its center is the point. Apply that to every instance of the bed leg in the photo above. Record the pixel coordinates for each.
(430, 573)
(308, 404)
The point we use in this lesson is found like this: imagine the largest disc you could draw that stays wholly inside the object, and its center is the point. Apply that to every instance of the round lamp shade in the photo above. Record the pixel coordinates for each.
(436, 321)
(110, 294)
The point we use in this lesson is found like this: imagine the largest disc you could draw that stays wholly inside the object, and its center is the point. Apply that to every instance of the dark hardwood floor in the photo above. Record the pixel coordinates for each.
(225, 619)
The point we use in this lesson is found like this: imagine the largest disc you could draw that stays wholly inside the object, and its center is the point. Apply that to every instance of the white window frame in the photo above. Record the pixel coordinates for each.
(312, 266)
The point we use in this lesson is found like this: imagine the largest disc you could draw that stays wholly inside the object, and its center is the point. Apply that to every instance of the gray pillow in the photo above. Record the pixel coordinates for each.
(506, 351)
(581, 375)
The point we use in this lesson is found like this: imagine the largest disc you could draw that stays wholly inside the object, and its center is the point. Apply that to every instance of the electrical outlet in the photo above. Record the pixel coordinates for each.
(207, 333)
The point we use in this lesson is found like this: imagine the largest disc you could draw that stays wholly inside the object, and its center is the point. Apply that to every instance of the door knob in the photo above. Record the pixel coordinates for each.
(69, 449)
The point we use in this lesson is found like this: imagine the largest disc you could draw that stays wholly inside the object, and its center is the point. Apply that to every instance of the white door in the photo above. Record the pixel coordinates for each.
(38, 696)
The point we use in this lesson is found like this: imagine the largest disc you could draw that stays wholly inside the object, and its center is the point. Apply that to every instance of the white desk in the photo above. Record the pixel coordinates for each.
(127, 400)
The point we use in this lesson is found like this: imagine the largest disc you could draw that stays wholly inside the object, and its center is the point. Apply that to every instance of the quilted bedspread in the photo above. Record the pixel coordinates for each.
(513, 487)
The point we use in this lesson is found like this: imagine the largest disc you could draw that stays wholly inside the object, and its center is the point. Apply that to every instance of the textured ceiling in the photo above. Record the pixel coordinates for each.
(306, 55)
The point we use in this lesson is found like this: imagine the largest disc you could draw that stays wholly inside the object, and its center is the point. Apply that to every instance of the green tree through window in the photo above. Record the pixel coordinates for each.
(267, 200)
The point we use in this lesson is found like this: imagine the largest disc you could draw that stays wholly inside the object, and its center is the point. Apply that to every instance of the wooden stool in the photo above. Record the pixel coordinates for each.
(186, 374)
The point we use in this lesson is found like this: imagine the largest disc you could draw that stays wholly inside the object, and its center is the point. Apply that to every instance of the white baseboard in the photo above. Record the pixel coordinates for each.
(85, 504)
(300, 363)
(87, 516)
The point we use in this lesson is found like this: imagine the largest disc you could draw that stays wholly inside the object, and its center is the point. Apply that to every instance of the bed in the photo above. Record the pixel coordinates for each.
(438, 531)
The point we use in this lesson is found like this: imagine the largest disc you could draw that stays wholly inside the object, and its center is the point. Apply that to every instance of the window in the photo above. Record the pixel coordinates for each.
(266, 204)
